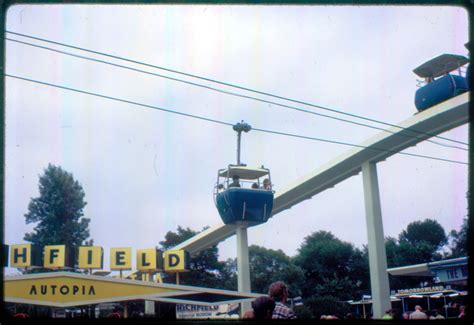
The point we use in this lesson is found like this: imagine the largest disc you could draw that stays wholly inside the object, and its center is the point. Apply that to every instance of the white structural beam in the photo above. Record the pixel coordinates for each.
(376, 247)
(243, 266)
(435, 120)
(207, 238)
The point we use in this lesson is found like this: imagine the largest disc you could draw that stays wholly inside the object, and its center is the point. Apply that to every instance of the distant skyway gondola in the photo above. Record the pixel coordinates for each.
(439, 84)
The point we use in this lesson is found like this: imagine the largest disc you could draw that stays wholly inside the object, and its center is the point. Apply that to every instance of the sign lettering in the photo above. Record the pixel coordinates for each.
(176, 261)
(91, 257)
(121, 258)
(149, 260)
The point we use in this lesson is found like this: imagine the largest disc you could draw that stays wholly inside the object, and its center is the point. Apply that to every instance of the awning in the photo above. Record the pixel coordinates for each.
(66, 289)
(452, 270)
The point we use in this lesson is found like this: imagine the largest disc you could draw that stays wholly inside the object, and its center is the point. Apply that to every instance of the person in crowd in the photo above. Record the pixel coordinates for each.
(462, 312)
(436, 315)
(418, 314)
(388, 315)
(396, 314)
(235, 181)
(439, 314)
(254, 185)
(278, 291)
(405, 316)
(267, 185)
(350, 316)
(262, 308)
(453, 310)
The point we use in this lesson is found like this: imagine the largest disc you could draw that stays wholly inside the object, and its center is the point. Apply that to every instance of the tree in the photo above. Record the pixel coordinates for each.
(205, 267)
(459, 241)
(330, 263)
(268, 266)
(419, 243)
(428, 231)
(228, 274)
(327, 305)
(58, 211)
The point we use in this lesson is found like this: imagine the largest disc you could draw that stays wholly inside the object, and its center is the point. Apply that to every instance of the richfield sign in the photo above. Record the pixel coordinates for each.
(58, 257)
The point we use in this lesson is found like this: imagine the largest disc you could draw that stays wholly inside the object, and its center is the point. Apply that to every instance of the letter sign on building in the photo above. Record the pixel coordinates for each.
(149, 259)
(56, 257)
(24, 255)
(91, 257)
(176, 261)
(121, 258)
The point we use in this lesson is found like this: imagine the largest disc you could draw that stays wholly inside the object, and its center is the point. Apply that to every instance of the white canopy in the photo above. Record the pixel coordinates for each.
(244, 172)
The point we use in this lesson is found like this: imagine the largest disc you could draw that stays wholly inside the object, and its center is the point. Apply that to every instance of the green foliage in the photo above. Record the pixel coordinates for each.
(331, 265)
(419, 243)
(205, 267)
(58, 211)
(326, 305)
(268, 266)
(228, 274)
(342, 288)
(293, 276)
(428, 232)
(303, 312)
(459, 241)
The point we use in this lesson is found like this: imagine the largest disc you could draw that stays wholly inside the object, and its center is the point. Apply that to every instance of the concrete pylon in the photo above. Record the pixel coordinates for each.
(376, 242)
(243, 266)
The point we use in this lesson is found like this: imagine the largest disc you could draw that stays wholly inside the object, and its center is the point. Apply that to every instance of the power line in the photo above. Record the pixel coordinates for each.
(195, 84)
(239, 87)
(224, 123)
(223, 91)
(121, 100)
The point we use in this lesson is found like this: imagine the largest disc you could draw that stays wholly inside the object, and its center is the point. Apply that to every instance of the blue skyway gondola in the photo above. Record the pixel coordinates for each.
(240, 195)
(439, 84)
(243, 204)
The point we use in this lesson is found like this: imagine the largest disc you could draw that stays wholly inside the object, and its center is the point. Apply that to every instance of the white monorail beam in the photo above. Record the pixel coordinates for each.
(435, 120)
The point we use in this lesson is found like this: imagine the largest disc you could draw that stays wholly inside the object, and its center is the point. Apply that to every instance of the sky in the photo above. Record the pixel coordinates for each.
(145, 172)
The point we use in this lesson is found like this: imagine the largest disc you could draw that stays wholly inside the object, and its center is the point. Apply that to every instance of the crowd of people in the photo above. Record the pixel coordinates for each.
(456, 311)
(273, 306)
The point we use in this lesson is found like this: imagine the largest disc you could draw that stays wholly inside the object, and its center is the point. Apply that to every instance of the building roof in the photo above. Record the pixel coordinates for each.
(425, 269)
(66, 289)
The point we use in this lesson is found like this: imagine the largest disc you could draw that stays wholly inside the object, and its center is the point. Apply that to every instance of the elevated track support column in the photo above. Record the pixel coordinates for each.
(376, 243)
(243, 266)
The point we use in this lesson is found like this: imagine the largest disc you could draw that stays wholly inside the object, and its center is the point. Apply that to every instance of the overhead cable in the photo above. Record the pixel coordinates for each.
(226, 123)
(230, 85)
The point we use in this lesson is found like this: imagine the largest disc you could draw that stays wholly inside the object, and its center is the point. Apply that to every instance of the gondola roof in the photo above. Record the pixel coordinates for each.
(440, 65)
(244, 172)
